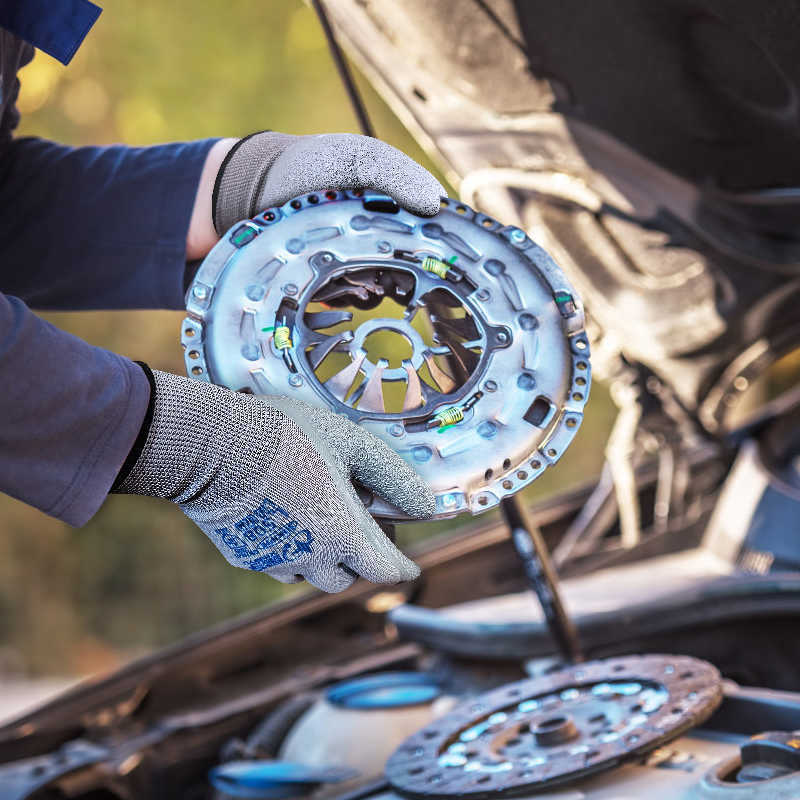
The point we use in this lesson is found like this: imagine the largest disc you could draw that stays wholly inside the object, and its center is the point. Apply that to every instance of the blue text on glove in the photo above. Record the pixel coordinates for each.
(271, 534)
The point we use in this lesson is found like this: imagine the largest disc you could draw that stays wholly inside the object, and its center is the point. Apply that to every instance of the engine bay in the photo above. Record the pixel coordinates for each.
(430, 691)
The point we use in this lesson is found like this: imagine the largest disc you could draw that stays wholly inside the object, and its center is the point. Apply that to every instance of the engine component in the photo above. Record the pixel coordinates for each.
(29, 777)
(476, 370)
(682, 274)
(768, 766)
(265, 740)
(273, 779)
(769, 755)
(766, 474)
(359, 722)
(556, 728)
(354, 726)
(385, 690)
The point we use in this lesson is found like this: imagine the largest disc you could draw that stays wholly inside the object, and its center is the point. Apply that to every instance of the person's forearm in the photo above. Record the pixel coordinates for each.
(201, 236)
(97, 227)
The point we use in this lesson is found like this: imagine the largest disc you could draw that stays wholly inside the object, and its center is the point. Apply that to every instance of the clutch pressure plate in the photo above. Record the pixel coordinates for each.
(455, 339)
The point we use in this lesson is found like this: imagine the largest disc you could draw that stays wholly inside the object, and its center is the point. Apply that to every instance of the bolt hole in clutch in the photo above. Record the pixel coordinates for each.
(456, 340)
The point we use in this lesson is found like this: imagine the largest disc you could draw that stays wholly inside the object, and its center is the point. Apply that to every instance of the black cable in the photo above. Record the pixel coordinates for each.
(504, 29)
(543, 579)
(359, 109)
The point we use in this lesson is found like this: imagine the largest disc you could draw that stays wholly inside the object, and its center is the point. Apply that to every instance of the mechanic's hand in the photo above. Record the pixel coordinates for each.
(269, 169)
(268, 479)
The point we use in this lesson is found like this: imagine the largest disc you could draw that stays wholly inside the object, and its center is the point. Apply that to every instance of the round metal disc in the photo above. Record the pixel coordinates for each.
(536, 733)
(455, 339)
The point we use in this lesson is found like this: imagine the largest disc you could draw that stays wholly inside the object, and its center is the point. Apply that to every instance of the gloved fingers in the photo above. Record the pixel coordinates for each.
(347, 161)
(377, 467)
(386, 169)
(331, 578)
(369, 460)
(376, 558)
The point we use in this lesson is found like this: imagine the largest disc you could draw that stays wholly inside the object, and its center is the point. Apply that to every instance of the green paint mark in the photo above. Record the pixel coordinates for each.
(444, 428)
(268, 330)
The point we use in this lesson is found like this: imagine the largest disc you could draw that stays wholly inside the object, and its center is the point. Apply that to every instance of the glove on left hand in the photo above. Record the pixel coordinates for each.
(269, 480)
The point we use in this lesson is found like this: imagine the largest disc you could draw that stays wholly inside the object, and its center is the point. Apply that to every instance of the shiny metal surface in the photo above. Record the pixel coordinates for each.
(495, 373)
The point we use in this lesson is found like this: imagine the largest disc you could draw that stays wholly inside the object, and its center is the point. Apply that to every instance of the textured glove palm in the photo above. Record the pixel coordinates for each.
(269, 481)
(269, 169)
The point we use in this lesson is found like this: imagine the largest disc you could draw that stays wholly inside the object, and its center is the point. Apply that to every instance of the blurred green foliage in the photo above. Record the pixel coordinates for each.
(139, 575)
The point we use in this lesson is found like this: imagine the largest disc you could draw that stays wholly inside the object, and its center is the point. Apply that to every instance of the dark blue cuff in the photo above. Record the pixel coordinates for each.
(69, 415)
(56, 26)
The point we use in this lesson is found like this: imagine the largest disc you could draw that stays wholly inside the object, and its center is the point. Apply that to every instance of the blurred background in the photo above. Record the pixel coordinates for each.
(80, 602)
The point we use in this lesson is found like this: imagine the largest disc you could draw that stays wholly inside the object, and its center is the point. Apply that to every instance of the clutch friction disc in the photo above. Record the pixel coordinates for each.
(455, 339)
(537, 733)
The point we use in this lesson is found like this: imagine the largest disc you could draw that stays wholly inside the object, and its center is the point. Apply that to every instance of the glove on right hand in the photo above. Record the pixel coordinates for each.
(268, 480)
(269, 169)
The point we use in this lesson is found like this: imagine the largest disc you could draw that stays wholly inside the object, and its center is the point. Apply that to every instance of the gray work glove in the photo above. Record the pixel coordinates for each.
(268, 480)
(269, 169)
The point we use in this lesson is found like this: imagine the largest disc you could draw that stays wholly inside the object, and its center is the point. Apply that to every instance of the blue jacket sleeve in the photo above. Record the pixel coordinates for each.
(96, 227)
(69, 415)
(82, 228)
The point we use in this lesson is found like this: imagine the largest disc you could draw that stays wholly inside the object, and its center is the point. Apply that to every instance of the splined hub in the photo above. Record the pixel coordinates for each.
(537, 733)
(456, 340)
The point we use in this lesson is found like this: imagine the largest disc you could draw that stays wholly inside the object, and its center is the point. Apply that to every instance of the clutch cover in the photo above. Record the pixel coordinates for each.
(533, 734)
(455, 339)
